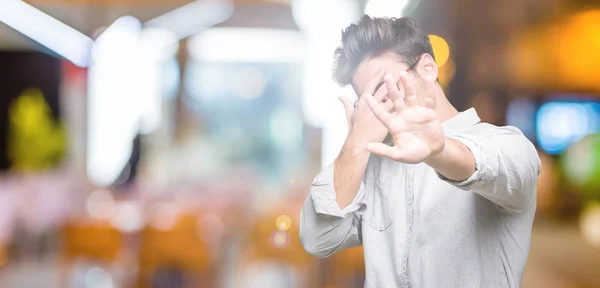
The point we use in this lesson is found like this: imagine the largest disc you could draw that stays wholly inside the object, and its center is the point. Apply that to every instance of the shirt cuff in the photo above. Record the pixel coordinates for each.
(479, 163)
(324, 197)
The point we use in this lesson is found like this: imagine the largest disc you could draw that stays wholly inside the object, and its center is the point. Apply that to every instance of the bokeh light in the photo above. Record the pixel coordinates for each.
(559, 124)
(280, 239)
(283, 222)
(579, 36)
(589, 223)
(581, 165)
(98, 278)
(446, 73)
(441, 50)
(128, 217)
(164, 215)
(100, 204)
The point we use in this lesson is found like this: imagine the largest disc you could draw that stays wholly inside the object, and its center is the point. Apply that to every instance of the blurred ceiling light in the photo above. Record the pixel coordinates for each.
(194, 17)
(321, 22)
(441, 50)
(386, 8)
(123, 24)
(250, 45)
(113, 117)
(318, 16)
(158, 43)
(46, 30)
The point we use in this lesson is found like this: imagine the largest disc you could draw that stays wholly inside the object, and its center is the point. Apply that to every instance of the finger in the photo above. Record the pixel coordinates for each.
(348, 107)
(410, 95)
(396, 93)
(388, 105)
(381, 91)
(378, 110)
(371, 86)
(384, 150)
(429, 103)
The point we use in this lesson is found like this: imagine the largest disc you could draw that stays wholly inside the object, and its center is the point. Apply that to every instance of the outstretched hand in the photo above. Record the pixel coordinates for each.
(414, 126)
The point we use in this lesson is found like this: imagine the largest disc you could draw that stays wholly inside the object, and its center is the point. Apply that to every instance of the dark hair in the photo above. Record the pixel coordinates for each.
(372, 37)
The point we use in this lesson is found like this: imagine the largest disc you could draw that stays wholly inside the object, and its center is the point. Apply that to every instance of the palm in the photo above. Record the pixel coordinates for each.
(415, 128)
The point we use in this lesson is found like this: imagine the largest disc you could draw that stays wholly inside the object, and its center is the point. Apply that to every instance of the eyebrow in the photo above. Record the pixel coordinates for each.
(377, 87)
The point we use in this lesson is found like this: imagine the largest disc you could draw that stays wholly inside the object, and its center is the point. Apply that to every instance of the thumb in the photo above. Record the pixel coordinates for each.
(349, 109)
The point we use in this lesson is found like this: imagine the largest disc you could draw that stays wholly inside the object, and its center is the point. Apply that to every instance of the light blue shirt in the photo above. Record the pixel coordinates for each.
(419, 229)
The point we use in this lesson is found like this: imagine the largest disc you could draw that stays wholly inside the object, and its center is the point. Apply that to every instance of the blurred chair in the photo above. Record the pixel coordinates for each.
(345, 269)
(177, 247)
(95, 241)
(268, 245)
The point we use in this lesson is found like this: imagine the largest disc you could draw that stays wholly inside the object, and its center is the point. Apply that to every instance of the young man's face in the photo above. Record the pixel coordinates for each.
(388, 63)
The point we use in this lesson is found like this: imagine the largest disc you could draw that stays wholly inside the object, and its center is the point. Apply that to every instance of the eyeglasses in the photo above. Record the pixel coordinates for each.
(410, 68)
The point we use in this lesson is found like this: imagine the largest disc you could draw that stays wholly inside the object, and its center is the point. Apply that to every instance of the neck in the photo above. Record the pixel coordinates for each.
(443, 107)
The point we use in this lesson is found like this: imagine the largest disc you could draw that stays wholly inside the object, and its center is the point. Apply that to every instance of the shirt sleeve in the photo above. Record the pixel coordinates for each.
(507, 168)
(324, 227)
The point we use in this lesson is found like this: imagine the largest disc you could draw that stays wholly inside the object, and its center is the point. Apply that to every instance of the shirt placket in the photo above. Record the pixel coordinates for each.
(409, 219)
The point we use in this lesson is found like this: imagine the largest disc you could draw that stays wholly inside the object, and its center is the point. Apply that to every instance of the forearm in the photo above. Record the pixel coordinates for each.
(455, 161)
(323, 234)
(348, 171)
(507, 167)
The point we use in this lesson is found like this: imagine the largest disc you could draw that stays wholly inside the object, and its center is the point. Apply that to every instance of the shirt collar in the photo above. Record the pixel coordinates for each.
(460, 122)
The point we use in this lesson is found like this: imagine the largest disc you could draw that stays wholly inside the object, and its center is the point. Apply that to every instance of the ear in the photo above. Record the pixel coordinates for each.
(428, 69)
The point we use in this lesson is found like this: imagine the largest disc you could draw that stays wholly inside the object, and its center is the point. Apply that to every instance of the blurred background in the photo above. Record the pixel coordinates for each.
(149, 143)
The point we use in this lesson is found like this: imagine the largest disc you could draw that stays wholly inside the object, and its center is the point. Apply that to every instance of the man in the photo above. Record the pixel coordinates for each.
(450, 203)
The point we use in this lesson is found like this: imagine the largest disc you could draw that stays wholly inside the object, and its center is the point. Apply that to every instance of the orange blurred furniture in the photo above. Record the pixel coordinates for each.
(93, 240)
(179, 246)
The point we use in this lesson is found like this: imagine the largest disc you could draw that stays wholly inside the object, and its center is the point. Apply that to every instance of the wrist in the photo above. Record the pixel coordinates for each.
(440, 155)
(354, 146)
